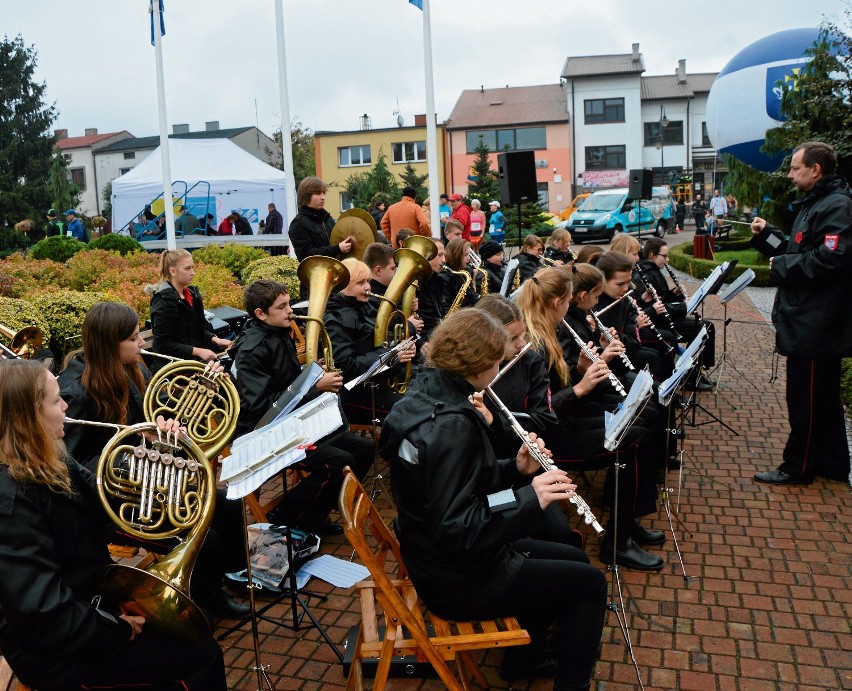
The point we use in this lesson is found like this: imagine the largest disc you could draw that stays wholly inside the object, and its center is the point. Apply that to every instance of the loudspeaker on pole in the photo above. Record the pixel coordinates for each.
(641, 182)
(516, 170)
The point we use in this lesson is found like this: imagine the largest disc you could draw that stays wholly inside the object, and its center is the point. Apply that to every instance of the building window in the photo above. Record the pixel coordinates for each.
(518, 139)
(672, 133)
(354, 155)
(705, 137)
(129, 155)
(124, 171)
(543, 195)
(77, 176)
(409, 152)
(345, 202)
(603, 110)
(606, 157)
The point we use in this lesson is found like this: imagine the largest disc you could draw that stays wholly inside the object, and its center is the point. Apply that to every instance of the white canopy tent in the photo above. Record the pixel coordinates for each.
(237, 180)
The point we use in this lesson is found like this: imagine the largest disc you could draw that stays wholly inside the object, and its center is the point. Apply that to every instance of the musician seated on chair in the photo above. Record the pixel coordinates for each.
(55, 633)
(459, 289)
(466, 559)
(106, 382)
(492, 261)
(430, 293)
(380, 260)
(266, 364)
(350, 321)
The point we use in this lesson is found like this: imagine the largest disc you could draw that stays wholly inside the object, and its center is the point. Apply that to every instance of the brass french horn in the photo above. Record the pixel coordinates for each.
(25, 342)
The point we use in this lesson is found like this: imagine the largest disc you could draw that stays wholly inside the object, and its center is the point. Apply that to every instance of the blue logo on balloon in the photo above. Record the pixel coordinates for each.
(779, 79)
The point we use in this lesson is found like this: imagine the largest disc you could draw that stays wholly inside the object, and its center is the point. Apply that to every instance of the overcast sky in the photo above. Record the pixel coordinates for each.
(349, 57)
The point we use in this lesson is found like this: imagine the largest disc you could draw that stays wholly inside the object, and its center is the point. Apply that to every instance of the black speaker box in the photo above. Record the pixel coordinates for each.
(641, 182)
(517, 177)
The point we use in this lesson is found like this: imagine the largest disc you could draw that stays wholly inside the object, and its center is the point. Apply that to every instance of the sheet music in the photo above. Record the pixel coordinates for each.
(703, 289)
(385, 362)
(670, 385)
(257, 456)
(616, 423)
(692, 349)
(745, 279)
(298, 390)
(339, 572)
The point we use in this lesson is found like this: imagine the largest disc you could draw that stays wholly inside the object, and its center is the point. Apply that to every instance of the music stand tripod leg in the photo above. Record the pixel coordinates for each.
(665, 491)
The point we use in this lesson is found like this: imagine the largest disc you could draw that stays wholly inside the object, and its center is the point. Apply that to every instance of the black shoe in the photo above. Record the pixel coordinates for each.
(631, 556)
(646, 536)
(700, 384)
(324, 529)
(544, 668)
(779, 477)
(222, 606)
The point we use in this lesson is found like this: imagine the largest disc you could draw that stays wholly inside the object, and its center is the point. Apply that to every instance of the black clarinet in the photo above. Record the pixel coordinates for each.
(652, 326)
(610, 338)
(677, 283)
(545, 462)
(656, 297)
(591, 355)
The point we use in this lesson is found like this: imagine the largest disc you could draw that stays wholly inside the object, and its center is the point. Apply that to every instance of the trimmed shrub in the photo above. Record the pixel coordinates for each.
(123, 244)
(16, 314)
(59, 248)
(127, 285)
(32, 275)
(282, 269)
(232, 255)
(680, 257)
(65, 310)
(846, 384)
(86, 267)
(217, 286)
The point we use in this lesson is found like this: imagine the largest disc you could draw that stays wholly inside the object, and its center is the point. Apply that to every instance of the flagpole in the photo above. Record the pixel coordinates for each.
(431, 128)
(171, 243)
(286, 133)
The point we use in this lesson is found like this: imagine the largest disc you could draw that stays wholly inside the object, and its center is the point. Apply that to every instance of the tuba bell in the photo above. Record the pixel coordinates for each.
(323, 276)
(25, 342)
(155, 490)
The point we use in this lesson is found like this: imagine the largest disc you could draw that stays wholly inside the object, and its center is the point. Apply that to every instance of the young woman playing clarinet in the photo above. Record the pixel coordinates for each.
(55, 632)
(177, 313)
(106, 383)
(579, 401)
(469, 561)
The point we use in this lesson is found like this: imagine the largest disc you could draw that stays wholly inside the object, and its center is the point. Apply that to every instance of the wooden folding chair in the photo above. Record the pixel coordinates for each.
(8, 681)
(403, 617)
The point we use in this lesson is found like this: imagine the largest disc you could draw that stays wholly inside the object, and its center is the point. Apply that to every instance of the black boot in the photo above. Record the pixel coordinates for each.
(629, 554)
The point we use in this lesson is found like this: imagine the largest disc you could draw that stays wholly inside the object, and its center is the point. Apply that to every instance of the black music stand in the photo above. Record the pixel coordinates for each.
(725, 297)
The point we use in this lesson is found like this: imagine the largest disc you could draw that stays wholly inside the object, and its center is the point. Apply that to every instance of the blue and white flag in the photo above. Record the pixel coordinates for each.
(417, 3)
(162, 21)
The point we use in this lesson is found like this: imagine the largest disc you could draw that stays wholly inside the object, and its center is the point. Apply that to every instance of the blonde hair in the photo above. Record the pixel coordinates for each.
(535, 303)
(27, 449)
(556, 236)
(531, 241)
(358, 270)
(170, 259)
(467, 342)
(625, 244)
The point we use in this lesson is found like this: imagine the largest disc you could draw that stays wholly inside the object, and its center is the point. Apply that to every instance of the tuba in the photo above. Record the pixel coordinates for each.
(25, 342)
(410, 266)
(323, 276)
(154, 490)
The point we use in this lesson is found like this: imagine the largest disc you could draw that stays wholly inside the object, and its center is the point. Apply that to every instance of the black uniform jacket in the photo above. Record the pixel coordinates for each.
(430, 303)
(673, 301)
(622, 318)
(266, 363)
(83, 441)
(528, 264)
(495, 277)
(523, 389)
(442, 470)
(310, 233)
(812, 314)
(558, 255)
(52, 547)
(350, 325)
(451, 284)
(177, 326)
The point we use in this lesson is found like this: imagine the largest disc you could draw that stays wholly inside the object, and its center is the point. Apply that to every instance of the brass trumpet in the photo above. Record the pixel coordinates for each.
(23, 343)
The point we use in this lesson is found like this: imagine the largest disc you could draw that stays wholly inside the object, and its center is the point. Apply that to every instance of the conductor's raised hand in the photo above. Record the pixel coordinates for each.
(525, 461)
(757, 225)
(553, 485)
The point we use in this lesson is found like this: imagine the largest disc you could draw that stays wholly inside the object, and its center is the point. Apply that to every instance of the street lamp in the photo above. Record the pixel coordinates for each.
(663, 123)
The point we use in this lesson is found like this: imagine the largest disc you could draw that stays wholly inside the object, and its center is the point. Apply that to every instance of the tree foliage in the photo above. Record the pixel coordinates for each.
(411, 178)
(26, 143)
(816, 107)
(484, 185)
(304, 154)
(360, 188)
(64, 194)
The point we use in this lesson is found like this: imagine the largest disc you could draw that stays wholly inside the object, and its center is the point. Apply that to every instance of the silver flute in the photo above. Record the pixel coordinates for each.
(591, 355)
(609, 337)
(677, 283)
(509, 365)
(651, 326)
(545, 462)
(654, 294)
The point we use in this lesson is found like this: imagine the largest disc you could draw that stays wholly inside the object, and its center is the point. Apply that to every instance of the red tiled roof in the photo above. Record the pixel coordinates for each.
(514, 105)
(84, 142)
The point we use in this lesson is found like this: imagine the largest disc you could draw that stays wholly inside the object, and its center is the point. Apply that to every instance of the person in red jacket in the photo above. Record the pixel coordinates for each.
(461, 211)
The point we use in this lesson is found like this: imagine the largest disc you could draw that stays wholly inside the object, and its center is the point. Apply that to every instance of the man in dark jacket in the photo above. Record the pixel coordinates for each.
(266, 364)
(241, 224)
(813, 322)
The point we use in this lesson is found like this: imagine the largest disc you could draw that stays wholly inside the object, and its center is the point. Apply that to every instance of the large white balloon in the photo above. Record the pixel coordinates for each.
(745, 100)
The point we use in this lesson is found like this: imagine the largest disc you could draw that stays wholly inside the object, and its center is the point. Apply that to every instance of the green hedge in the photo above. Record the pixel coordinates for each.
(114, 242)
(846, 384)
(282, 269)
(680, 257)
(232, 255)
(59, 248)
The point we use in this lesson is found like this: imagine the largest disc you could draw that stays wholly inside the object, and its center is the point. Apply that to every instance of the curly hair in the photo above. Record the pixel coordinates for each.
(467, 342)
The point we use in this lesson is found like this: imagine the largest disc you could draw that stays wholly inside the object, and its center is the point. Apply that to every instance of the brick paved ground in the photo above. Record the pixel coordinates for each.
(769, 598)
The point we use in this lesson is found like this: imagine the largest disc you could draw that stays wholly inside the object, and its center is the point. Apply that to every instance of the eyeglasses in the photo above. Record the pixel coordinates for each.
(663, 255)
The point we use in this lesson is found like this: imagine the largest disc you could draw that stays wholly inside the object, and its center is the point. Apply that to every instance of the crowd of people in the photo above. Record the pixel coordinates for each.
(592, 320)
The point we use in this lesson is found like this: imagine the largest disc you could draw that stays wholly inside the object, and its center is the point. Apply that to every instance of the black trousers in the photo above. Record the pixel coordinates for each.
(314, 497)
(817, 443)
(358, 404)
(556, 584)
(152, 661)
(689, 328)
